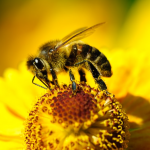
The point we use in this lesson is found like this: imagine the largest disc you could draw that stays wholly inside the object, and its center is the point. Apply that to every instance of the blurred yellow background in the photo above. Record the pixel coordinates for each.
(27, 24)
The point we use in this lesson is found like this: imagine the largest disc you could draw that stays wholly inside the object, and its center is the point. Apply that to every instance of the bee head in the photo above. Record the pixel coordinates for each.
(37, 67)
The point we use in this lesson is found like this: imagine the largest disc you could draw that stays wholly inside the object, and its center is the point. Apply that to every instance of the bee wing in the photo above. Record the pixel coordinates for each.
(77, 35)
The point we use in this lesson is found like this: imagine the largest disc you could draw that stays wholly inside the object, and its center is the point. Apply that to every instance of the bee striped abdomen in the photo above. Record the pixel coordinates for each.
(97, 58)
(88, 52)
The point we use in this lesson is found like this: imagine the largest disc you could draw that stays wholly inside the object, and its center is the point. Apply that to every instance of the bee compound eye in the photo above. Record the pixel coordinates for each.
(39, 64)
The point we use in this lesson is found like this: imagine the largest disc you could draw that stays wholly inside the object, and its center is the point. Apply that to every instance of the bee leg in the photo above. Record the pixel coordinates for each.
(47, 85)
(96, 75)
(74, 86)
(82, 76)
(54, 77)
(102, 86)
(79, 63)
(101, 83)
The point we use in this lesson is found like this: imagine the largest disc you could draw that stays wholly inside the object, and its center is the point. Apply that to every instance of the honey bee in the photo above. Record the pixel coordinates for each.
(62, 55)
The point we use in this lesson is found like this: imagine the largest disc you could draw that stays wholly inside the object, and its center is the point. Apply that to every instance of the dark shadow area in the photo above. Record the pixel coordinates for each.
(139, 108)
(136, 106)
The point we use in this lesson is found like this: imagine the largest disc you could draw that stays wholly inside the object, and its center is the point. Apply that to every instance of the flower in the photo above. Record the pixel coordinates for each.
(90, 119)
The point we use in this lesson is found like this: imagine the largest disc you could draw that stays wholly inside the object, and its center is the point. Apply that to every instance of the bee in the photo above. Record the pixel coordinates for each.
(62, 55)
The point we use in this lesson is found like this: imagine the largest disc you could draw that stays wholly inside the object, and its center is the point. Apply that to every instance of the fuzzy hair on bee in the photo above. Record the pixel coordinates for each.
(62, 55)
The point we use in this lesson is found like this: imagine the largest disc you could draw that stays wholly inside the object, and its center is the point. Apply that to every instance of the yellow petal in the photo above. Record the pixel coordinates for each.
(11, 123)
(10, 145)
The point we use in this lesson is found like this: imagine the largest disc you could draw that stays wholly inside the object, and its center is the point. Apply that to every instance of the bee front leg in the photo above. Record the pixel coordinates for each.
(45, 81)
(74, 86)
(38, 84)
(54, 78)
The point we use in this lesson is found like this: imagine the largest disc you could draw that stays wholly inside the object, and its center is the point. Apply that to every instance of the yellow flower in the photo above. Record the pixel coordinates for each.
(17, 107)
(91, 119)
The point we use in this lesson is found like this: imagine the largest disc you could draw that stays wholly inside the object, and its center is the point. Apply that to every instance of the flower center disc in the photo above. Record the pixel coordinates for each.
(90, 119)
